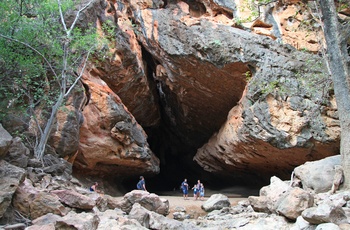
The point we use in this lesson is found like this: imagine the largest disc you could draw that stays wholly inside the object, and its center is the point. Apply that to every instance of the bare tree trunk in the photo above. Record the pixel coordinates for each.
(336, 57)
(39, 151)
(65, 89)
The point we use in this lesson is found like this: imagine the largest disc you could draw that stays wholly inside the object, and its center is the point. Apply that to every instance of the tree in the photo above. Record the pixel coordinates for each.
(336, 36)
(40, 55)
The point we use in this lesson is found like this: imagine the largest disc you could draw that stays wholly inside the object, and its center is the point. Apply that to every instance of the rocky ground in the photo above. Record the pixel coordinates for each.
(308, 201)
(175, 198)
(35, 196)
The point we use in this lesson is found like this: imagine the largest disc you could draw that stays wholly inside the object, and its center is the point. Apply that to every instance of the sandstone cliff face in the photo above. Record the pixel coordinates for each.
(192, 80)
(205, 65)
(95, 131)
(111, 141)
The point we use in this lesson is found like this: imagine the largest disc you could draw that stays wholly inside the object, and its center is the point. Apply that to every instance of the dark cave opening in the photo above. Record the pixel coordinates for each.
(176, 163)
(176, 146)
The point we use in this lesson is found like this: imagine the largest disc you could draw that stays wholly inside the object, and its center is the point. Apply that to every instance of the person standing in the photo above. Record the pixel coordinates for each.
(199, 185)
(195, 192)
(184, 187)
(201, 192)
(141, 185)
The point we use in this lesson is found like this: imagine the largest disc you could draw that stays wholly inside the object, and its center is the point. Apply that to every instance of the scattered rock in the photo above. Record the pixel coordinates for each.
(150, 201)
(35, 203)
(57, 166)
(10, 178)
(269, 196)
(5, 141)
(73, 220)
(18, 154)
(300, 223)
(152, 220)
(294, 203)
(324, 213)
(74, 199)
(181, 216)
(216, 202)
(327, 226)
(318, 175)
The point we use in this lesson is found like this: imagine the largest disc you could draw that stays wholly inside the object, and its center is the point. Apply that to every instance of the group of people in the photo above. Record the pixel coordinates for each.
(141, 185)
(198, 190)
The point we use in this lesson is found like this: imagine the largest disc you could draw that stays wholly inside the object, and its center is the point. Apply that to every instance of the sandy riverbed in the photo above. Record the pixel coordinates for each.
(192, 206)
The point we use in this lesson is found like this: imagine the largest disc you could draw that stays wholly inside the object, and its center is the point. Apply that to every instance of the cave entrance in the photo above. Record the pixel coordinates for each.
(193, 104)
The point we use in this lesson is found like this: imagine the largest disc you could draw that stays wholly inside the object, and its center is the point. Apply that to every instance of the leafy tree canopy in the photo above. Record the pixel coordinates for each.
(42, 55)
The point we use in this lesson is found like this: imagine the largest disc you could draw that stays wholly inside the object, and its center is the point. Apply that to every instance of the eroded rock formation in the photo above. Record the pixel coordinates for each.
(182, 81)
(111, 141)
(185, 73)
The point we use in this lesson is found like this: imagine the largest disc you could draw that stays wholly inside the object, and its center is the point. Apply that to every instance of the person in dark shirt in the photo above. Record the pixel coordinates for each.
(141, 185)
(93, 188)
(184, 187)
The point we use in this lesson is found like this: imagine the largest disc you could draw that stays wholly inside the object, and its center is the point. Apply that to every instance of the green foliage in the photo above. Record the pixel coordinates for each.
(342, 5)
(238, 21)
(40, 56)
(253, 7)
(271, 87)
(248, 76)
(309, 81)
(108, 41)
(216, 43)
(305, 49)
(109, 30)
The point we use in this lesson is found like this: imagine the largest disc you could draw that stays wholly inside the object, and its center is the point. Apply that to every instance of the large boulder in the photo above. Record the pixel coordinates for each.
(73, 220)
(152, 220)
(269, 196)
(79, 221)
(318, 175)
(10, 179)
(227, 219)
(300, 223)
(35, 203)
(325, 213)
(74, 199)
(150, 201)
(116, 219)
(18, 153)
(294, 203)
(111, 140)
(327, 226)
(259, 203)
(57, 166)
(5, 141)
(46, 221)
(216, 202)
(112, 202)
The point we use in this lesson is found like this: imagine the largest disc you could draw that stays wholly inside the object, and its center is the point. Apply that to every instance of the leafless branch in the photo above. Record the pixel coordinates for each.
(68, 31)
(61, 15)
(80, 75)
